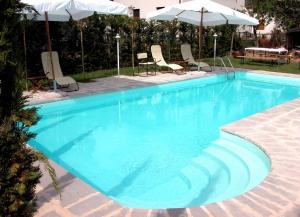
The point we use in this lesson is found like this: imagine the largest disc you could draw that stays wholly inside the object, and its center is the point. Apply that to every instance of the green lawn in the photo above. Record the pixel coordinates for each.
(89, 76)
(285, 68)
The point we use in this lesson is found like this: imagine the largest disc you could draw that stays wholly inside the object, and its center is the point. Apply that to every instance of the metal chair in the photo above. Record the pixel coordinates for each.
(143, 57)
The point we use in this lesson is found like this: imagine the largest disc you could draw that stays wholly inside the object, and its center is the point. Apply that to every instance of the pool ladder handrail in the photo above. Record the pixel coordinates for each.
(226, 69)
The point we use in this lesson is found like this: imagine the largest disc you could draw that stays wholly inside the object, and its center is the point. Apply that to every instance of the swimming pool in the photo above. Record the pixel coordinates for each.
(161, 146)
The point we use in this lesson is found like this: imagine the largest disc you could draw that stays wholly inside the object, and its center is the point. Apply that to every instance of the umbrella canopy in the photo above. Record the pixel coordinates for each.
(61, 10)
(213, 14)
(202, 13)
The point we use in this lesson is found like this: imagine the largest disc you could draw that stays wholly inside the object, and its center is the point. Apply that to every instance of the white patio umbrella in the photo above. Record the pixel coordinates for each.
(62, 10)
(202, 13)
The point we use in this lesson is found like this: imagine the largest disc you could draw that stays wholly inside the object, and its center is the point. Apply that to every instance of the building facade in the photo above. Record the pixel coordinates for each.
(142, 7)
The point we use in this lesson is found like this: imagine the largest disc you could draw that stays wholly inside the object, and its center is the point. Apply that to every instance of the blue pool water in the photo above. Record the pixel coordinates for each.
(161, 146)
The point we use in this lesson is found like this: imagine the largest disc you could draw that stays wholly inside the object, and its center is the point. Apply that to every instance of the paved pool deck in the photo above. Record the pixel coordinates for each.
(276, 131)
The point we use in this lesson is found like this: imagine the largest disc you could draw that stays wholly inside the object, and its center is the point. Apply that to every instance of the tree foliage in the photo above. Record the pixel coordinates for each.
(285, 12)
(99, 41)
(18, 175)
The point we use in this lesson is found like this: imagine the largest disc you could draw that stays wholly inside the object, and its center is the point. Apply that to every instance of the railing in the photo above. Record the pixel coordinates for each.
(232, 68)
(224, 65)
(226, 68)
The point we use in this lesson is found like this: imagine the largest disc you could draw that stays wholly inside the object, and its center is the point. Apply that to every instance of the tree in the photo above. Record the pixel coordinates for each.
(18, 174)
(285, 12)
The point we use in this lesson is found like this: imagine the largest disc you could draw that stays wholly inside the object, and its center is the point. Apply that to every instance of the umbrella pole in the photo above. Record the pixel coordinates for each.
(50, 50)
(231, 45)
(200, 37)
(82, 49)
(132, 47)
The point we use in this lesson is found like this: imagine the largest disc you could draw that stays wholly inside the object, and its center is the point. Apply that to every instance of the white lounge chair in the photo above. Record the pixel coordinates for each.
(61, 80)
(160, 61)
(187, 56)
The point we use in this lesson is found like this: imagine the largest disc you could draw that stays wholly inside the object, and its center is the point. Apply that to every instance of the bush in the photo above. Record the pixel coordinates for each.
(100, 43)
(18, 175)
(247, 43)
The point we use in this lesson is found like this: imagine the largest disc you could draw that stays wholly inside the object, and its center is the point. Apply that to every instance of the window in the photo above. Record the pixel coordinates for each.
(136, 13)
(158, 8)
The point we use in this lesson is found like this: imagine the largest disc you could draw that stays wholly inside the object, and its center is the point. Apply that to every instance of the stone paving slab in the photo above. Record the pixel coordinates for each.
(109, 84)
(276, 131)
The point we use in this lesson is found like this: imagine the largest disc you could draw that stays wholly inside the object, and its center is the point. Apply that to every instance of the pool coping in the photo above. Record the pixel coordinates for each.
(130, 83)
(276, 131)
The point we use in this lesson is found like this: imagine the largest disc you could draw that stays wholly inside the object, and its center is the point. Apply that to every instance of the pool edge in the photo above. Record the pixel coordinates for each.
(284, 205)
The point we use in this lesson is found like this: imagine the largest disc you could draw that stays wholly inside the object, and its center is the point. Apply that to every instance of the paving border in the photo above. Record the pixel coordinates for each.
(275, 130)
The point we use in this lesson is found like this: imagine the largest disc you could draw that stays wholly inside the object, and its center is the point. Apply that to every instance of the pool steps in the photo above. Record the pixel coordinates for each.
(204, 168)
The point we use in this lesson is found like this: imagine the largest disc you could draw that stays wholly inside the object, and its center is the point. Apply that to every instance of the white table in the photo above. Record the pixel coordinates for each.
(268, 50)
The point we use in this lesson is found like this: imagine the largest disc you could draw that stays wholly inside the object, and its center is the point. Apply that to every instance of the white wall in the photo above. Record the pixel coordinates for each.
(235, 4)
(147, 6)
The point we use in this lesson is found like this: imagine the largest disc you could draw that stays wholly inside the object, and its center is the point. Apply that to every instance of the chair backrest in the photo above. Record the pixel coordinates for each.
(47, 65)
(157, 55)
(141, 56)
(186, 53)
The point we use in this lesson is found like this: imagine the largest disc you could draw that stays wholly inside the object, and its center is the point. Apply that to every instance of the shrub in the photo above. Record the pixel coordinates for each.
(18, 175)
(100, 43)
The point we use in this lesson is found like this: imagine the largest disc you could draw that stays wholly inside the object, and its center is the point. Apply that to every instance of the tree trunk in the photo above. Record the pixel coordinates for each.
(255, 36)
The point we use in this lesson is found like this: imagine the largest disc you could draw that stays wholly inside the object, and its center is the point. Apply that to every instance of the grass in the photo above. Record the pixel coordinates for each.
(292, 68)
(89, 76)
(285, 68)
